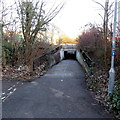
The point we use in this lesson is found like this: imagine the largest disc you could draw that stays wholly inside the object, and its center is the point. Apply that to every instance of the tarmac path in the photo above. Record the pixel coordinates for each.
(60, 93)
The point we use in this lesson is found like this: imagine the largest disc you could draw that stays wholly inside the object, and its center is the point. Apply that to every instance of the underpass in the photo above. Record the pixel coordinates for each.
(69, 51)
(60, 93)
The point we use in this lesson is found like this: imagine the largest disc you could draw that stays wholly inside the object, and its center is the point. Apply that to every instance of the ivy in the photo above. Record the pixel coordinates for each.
(114, 102)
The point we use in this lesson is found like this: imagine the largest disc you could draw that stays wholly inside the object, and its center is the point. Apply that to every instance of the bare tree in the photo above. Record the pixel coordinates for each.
(54, 32)
(107, 15)
(34, 18)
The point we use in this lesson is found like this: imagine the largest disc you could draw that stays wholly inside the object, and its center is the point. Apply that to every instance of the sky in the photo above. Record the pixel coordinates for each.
(76, 14)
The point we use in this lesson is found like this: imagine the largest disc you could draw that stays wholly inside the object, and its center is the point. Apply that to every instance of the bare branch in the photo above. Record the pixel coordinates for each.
(101, 16)
(99, 4)
(111, 6)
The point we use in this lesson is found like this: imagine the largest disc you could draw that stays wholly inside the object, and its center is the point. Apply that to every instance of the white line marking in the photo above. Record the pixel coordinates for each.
(14, 89)
(10, 93)
(3, 98)
(10, 88)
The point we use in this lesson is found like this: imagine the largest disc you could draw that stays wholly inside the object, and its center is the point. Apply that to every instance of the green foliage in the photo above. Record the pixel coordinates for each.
(91, 69)
(13, 52)
(114, 102)
(9, 53)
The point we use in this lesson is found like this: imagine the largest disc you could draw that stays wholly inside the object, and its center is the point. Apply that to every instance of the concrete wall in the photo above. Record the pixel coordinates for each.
(48, 59)
(81, 60)
(51, 60)
(62, 54)
(54, 58)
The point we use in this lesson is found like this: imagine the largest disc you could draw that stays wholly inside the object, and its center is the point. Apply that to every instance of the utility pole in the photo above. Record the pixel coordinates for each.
(112, 70)
(119, 11)
(119, 19)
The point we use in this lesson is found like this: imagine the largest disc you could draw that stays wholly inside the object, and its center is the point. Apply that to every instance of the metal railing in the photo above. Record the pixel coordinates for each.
(86, 57)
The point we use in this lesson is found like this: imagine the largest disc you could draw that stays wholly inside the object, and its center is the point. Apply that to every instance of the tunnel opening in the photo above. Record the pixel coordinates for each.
(69, 55)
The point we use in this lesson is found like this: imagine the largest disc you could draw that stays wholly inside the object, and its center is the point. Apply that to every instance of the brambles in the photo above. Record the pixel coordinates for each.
(92, 42)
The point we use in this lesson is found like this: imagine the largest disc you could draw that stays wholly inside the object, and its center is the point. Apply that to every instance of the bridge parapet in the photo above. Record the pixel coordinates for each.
(69, 46)
(71, 49)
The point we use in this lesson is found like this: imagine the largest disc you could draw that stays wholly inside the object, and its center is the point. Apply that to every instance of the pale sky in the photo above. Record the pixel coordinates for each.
(76, 14)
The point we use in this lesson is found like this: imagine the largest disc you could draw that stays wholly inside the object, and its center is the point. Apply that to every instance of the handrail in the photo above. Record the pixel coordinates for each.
(86, 57)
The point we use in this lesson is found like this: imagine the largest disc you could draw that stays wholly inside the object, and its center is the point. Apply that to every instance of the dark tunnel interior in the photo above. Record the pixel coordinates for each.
(69, 55)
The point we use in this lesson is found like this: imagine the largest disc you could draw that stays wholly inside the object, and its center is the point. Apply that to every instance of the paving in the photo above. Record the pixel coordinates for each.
(60, 93)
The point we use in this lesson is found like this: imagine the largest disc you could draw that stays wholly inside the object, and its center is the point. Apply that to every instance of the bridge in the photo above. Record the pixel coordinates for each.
(63, 52)
(68, 51)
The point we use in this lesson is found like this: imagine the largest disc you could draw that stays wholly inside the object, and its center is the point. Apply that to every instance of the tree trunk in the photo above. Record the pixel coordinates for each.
(29, 57)
(105, 27)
